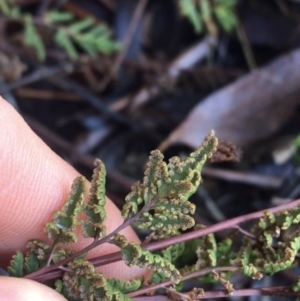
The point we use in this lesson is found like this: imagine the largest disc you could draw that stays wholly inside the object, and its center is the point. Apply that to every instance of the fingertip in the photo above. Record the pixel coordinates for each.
(34, 181)
(19, 289)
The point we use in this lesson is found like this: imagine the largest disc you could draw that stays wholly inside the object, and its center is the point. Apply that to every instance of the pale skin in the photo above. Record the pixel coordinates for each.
(34, 182)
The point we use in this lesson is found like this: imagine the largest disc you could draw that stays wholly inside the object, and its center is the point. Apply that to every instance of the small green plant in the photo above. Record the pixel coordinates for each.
(68, 33)
(205, 14)
(296, 144)
(161, 204)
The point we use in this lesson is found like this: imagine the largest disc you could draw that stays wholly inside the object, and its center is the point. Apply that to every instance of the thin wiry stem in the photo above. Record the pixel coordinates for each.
(53, 271)
(284, 291)
(185, 277)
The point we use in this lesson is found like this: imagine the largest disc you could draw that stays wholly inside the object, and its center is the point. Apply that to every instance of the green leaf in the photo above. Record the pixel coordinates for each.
(32, 38)
(106, 46)
(200, 11)
(296, 286)
(207, 252)
(16, 265)
(40, 249)
(224, 248)
(63, 40)
(99, 30)
(5, 7)
(287, 218)
(173, 252)
(95, 212)
(97, 39)
(55, 16)
(15, 12)
(126, 286)
(166, 224)
(61, 254)
(226, 3)
(58, 285)
(245, 256)
(297, 141)
(65, 220)
(166, 189)
(67, 217)
(226, 17)
(31, 263)
(205, 9)
(81, 25)
(189, 9)
(134, 255)
(84, 283)
(86, 46)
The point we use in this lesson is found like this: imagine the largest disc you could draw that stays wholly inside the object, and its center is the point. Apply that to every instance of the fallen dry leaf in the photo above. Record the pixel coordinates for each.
(250, 109)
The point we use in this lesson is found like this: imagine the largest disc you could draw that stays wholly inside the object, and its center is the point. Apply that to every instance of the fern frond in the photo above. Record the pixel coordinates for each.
(40, 248)
(160, 203)
(244, 259)
(68, 33)
(32, 263)
(86, 34)
(63, 40)
(32, 38)
(188, 9)
(274, 251)
(61, 230)
(207, 252)
(166, 189)
(16, 266)
(5, 7)
(56, 16)
(187, 269)
(296, 286)
(95, 212)
(61, 254)
(203, 14)
(173, 252)
(287, 218)
(126, 286)
(223, 247)
(226, 16)
(81, 25)
(85, 284)
(134, 255)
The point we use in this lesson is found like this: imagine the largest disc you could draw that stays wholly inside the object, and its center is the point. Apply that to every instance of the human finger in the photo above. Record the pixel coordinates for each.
(34, 182)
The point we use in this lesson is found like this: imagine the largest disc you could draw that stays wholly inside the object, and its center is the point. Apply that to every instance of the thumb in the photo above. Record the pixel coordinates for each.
(19, 289)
